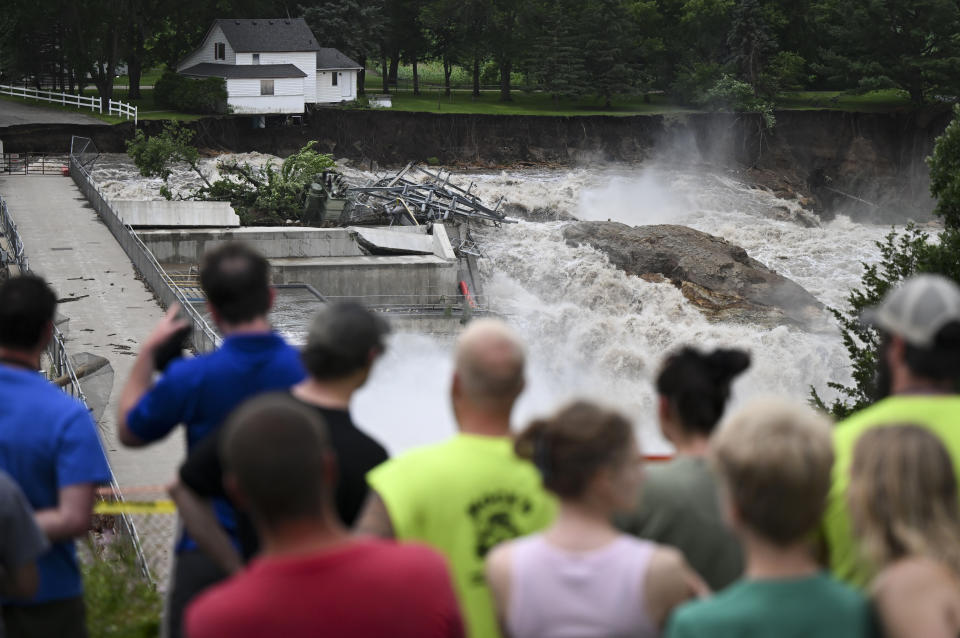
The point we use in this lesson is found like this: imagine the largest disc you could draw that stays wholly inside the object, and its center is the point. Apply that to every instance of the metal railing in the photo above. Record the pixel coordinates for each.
(204, 338)
(32, 164)
(71, 99)
(15, 253)
(62, 368)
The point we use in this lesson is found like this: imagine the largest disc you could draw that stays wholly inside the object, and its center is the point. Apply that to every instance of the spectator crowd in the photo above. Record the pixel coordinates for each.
(771, 521)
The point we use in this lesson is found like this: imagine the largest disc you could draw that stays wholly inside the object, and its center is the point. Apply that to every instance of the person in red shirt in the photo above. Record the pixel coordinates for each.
(312, 577)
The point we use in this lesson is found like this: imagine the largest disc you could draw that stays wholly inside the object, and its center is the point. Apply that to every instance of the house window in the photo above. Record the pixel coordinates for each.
(266, 87)
(333, 78)
(256, 58)
(219, 51)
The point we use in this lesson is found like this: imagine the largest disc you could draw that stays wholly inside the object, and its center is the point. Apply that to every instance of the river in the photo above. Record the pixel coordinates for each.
(591, 330)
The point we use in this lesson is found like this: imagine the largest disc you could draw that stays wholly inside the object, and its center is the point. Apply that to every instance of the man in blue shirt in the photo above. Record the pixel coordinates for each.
(201, 391)
(49, 445)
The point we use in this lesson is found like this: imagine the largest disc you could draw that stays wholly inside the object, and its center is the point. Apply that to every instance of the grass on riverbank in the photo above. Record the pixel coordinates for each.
(120, 602)
(147, 110)
(529, 103)
(872, 102)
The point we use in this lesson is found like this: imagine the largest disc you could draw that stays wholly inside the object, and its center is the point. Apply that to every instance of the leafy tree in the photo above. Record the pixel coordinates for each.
(907, 44)
(445, 30)
(475, 17)
(508, 35)
(901, 256)
(259, 194)
(945, 172)
(355, 27)
(752, 41)
(155, 156)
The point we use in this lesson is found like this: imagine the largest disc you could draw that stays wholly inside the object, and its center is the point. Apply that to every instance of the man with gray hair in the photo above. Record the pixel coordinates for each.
(467, 494)
(919, 364)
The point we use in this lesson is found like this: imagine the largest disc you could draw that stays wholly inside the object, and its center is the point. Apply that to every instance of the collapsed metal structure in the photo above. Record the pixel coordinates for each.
(412, 197)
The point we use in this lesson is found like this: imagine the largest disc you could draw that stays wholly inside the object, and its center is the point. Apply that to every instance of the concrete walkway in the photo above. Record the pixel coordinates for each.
(111, 312)
(12, 113)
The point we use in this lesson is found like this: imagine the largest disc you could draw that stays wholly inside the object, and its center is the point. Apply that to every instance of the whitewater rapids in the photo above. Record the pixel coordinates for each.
(592, 331)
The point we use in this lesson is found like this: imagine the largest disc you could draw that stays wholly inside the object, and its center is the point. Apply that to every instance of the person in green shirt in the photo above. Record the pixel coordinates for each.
(679, 504)
(467, 494)
(919, 368)
(773, 460)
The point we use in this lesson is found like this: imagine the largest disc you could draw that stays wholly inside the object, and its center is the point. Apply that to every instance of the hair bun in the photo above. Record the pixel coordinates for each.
(725, 364)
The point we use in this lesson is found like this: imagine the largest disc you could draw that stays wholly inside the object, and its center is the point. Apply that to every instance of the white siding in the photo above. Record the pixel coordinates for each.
(244, 96)
(266, 104)
(327, 93)
(206, 52)
(306, 61)
(245, 58)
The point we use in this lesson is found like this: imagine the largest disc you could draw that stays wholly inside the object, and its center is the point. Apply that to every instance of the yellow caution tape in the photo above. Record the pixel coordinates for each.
(135, 507)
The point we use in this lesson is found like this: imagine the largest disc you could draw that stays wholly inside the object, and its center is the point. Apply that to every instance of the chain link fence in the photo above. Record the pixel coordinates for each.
(60, 368)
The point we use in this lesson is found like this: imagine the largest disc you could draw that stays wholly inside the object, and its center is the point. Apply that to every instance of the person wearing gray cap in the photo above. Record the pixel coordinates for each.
(344, 341)
(919, 361)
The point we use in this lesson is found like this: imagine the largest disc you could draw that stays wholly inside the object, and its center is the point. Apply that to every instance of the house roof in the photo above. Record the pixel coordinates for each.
(243, 71)
(328, 58)
(283, 34)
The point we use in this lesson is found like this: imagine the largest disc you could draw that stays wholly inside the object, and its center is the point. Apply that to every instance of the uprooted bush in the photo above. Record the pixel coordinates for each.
(261, 195)
(191, 95)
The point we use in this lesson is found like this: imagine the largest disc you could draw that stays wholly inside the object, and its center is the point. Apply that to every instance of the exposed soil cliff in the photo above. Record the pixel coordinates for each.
(870, 163)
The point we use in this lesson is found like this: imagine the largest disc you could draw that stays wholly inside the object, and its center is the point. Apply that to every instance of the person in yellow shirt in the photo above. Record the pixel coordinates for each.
(467, 494)
(919, 361)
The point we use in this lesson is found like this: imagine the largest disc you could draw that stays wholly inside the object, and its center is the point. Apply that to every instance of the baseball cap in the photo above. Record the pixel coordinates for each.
(917, 309)
(346, 330)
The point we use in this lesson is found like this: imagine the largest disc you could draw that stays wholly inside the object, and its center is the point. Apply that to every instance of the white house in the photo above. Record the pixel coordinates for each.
(337, 76)
(272, 66)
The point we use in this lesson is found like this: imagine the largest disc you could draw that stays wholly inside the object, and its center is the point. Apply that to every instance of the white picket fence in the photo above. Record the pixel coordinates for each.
(69, 99)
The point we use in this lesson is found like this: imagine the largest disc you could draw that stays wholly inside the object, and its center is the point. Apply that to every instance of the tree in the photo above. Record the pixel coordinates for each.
(901, 256)
(475, 17)
(906, 44)
(610, 49)
(355, 27)
(555, 59)
(507, 37)
(96, 28)
(442, 23)
(259, 194)
(156, 155)
(752, 41)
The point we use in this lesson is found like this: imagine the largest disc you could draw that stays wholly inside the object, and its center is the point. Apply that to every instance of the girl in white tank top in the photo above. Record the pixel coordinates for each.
(581, 578)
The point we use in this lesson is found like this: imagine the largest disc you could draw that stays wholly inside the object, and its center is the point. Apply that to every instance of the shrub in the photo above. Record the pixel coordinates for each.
(731, 94)
(191, 95)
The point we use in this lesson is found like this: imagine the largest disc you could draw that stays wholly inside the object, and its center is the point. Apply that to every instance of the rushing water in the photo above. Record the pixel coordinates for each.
(593, 331)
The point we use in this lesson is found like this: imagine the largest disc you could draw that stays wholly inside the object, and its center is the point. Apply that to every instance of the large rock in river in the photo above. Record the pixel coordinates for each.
(717, 276)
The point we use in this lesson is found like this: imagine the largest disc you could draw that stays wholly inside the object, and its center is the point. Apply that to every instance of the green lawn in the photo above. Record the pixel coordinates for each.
(526, 104)
(872, 102)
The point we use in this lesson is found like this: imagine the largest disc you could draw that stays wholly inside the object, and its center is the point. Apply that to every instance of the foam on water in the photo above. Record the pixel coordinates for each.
(595, 332)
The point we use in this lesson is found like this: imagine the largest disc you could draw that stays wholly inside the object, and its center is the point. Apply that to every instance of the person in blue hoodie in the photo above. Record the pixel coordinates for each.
(201, 391)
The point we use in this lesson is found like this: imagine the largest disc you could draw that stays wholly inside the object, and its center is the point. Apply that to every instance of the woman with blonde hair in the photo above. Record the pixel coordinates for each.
(904, 503)
(581, 577)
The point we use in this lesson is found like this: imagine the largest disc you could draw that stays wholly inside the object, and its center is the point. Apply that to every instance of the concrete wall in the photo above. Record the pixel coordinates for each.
(188, 246)
(396, 280)
(163, 213)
